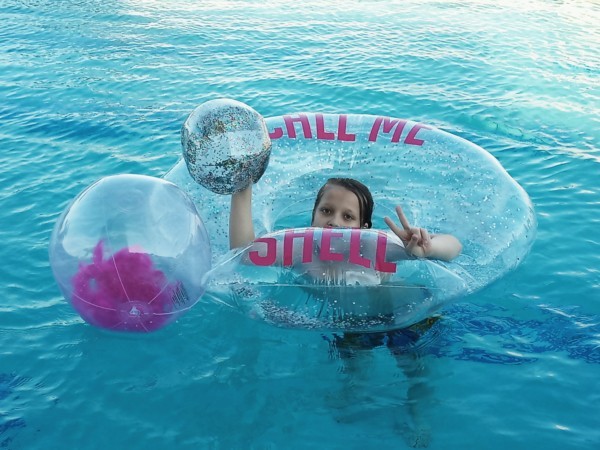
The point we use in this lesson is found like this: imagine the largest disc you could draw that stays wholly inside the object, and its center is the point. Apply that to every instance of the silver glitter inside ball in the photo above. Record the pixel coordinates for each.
(226, 145)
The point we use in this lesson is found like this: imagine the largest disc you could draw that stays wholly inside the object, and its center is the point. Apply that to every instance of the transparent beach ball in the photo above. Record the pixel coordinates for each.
(130, 253)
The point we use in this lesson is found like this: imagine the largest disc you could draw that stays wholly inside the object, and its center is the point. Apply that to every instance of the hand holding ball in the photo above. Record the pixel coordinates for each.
(226, 145)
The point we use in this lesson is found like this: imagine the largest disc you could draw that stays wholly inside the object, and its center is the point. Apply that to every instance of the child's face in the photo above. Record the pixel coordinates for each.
(338, 207)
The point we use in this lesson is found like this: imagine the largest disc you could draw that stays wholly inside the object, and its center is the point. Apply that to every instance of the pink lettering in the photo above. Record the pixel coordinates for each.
(291, 130)
(411, 137)
(326, 254)
(399, 130)
(277, 133)
(355, 257)
(342, 134)
(269, 257)
(321, 133)
(381, 264)
(384, 125)
(388, 125)
(288, 245)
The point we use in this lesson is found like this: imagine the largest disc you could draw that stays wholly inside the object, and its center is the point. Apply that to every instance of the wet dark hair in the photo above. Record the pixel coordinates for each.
(365, 199)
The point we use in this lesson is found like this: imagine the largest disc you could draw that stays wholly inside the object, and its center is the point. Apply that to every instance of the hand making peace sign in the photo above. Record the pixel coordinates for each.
(417, 241)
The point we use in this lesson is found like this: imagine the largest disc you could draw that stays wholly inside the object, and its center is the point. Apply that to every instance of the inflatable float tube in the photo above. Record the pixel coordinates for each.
(444, 183)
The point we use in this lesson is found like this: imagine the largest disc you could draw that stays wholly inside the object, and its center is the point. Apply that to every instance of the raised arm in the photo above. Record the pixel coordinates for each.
(420, 243)
(241, 228)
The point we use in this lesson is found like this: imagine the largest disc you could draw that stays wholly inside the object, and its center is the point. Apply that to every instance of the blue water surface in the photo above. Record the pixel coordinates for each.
(89, 89)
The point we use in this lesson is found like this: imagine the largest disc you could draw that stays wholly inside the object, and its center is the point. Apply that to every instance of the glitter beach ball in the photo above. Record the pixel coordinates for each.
(226, 146)
(130, 253)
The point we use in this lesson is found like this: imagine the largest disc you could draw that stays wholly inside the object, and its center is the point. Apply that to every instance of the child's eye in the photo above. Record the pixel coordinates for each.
(348, 217)
(325, 210)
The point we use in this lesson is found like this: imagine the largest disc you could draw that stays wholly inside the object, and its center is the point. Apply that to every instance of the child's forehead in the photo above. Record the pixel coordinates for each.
(336, 194)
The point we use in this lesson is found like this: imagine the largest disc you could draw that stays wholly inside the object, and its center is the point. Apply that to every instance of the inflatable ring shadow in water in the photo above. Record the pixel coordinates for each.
(444, 183)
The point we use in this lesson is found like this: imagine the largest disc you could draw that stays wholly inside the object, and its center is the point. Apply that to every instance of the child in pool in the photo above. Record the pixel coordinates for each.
(345, 202)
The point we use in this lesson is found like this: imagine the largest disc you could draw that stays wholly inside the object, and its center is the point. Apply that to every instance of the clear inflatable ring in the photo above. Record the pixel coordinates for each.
(444, 183)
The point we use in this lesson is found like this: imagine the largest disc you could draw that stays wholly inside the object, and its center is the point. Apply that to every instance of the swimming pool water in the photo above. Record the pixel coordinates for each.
(89, 89)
